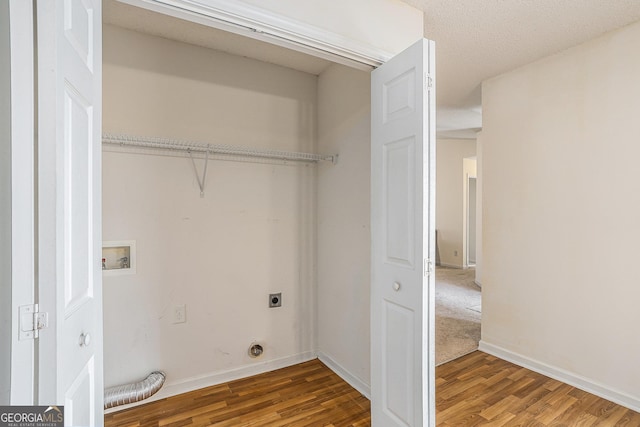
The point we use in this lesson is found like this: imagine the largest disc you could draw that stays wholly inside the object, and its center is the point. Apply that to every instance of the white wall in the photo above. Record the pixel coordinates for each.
(561, 209)
(450, 198)
(344, 239)
(5, 205)
(253, 233)
(389, 25)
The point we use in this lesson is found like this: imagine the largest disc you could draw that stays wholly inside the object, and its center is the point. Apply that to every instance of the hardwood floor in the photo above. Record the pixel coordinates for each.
(308, 394)
(475, 390)
(482, 390)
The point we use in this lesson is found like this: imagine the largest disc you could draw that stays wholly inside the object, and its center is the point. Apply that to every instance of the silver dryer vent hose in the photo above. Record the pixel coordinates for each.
(134, 392)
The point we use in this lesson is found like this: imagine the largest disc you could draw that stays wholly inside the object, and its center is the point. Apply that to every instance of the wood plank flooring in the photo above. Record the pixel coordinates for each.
(482, 390)
(475, 390)
(308, 394)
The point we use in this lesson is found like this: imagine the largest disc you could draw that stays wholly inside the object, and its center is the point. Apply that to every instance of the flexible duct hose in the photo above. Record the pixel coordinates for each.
(134, 392)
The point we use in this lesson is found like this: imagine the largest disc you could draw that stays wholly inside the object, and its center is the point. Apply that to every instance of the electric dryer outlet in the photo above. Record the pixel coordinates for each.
(275, 300)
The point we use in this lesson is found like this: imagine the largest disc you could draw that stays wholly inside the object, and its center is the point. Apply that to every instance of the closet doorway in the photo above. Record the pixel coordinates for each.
(471, 221)
(213, 246)
(469, 213)
(172, 253)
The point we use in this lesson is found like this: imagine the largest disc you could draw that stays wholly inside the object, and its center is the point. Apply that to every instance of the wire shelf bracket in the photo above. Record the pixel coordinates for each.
(204, 174)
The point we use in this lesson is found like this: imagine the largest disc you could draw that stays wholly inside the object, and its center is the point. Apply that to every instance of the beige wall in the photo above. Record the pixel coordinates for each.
(561, 208)
(344, 238)
(450, 198)
(253, 233)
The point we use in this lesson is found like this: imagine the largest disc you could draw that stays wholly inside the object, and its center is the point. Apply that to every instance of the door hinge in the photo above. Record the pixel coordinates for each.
(31, 320)
(428, 82)
(428, 267)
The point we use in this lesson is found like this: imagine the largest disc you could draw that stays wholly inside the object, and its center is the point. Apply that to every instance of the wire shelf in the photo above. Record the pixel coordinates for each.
(221, 149)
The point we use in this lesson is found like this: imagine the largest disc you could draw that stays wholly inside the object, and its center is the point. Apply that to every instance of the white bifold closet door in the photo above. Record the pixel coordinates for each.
(69, 207)
(402, 224)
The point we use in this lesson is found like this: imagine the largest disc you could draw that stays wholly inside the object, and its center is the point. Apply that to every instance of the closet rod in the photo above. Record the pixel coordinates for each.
(196, 147)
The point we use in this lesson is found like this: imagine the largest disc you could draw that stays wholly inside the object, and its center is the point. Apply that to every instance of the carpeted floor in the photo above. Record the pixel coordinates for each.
(458, 312)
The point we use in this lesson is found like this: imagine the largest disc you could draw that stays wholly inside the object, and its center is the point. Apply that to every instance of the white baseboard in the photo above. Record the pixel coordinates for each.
(351, 379)
(219, 377)
(559, 374)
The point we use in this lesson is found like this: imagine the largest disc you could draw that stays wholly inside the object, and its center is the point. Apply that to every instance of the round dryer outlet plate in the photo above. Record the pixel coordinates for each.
(275, 300)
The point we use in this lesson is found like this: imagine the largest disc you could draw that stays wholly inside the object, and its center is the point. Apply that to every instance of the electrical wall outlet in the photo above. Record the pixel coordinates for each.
(455, 253)
(180, 313)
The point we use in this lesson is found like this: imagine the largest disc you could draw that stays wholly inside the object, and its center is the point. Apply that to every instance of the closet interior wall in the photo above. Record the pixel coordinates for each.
(344, 233)
(253, 233)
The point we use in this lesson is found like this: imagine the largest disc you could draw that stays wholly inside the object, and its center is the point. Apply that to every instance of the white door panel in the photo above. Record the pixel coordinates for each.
(402, 156)
(398, 172)
(69, 150)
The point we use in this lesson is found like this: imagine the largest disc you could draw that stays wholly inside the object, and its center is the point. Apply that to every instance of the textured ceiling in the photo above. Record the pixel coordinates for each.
(479, 39)
(475, 40)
